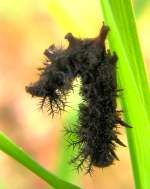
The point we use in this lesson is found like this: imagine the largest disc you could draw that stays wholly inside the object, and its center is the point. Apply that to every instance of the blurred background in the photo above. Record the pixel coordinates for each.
(27, 28)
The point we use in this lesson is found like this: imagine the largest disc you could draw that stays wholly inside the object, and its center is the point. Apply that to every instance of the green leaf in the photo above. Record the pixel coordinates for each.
(135, 100)
(7, 146)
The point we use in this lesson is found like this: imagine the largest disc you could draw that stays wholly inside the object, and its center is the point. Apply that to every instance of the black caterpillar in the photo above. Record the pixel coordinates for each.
(96, 134)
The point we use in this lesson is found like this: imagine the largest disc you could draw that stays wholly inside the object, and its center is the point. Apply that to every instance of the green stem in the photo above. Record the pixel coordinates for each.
(123, 39)
(7, 146)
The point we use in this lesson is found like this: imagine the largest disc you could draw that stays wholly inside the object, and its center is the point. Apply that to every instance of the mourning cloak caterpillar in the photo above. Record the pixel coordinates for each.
(96, 134)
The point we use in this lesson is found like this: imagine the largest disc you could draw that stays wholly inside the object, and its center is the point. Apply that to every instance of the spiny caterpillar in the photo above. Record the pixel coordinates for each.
(96, 134)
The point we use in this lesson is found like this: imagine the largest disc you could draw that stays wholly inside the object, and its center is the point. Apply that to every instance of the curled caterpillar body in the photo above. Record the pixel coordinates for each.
(96, 134)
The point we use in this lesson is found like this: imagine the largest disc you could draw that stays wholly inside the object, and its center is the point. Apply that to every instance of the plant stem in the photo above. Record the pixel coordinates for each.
(123, 39)
(7, 146)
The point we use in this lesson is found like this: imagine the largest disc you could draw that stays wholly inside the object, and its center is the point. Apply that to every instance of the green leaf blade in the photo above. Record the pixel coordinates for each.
(132, 78)
(7, 146)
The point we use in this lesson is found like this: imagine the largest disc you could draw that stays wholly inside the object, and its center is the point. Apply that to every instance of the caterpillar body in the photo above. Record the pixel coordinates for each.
(96, 134)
